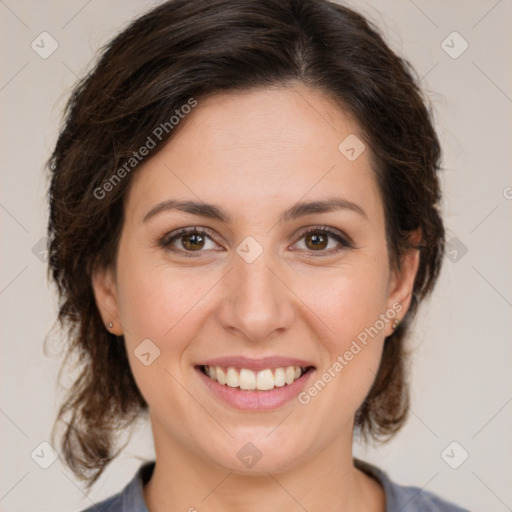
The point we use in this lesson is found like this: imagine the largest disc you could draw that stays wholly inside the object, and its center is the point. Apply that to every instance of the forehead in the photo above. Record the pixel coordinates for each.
(261, 148)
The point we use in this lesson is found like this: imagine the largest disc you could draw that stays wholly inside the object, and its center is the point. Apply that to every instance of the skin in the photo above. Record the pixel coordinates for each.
(255, 154)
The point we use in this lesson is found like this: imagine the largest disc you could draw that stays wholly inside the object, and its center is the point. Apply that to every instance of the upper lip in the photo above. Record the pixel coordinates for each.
(255, 364)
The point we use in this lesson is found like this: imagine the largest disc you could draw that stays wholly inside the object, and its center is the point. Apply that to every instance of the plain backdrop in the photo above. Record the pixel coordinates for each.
(461, 368)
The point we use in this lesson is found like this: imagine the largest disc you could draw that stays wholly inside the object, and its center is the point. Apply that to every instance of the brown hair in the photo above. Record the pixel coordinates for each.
(187, 49)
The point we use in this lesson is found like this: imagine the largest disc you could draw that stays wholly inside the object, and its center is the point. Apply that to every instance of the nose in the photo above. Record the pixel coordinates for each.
(258, 304)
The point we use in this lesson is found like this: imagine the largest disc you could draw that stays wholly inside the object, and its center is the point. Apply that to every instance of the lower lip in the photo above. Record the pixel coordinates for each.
(256, 400)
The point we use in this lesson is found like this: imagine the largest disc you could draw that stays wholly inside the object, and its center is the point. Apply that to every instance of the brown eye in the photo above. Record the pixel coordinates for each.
(193, 241)
(186, 241)
(316, 241)
(322, 240)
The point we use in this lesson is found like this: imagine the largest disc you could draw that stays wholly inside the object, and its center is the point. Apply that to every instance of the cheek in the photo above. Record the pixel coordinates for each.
(166, 306)
(353, 350)
(349, 299)
(156, 299)
(159, 312)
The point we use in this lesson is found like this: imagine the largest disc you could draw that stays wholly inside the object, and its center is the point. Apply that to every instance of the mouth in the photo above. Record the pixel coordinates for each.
(255, 384)
(245, 379)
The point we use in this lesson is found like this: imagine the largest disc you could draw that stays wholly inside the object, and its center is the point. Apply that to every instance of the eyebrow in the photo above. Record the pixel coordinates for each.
(214, 212)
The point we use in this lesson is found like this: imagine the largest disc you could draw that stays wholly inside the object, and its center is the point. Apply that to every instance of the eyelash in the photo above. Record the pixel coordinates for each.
(166, 241)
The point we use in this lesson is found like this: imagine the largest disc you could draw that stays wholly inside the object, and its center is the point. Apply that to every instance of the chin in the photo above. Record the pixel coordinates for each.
(259, 454)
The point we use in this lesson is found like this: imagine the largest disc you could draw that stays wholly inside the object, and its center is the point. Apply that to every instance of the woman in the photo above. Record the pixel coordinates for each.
(244, 219)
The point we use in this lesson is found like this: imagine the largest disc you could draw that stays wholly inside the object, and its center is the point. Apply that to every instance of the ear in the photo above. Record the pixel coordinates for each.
(401, 280)
(105, 294)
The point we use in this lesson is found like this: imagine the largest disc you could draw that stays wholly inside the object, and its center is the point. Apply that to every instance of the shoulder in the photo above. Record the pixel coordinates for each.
(131, 498)
(407, 498)
(415, 499)
(112, 504)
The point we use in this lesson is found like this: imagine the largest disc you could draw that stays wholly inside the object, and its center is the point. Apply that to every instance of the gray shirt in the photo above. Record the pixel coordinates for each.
(398, 498)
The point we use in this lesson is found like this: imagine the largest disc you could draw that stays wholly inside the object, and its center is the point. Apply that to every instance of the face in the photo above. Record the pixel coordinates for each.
(251, 244)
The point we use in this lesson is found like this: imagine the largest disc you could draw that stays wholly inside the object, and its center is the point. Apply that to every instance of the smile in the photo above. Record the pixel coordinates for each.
(255, 384)
(249, 380)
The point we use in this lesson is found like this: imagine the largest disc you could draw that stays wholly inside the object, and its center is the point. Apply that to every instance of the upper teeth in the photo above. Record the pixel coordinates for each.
(247, 379)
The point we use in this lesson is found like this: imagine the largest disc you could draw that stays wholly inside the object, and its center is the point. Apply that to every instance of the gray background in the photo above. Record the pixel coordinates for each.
(461, 367)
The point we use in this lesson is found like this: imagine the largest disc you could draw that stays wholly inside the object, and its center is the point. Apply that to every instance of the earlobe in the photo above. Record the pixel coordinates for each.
(402, 280)
(105, 295)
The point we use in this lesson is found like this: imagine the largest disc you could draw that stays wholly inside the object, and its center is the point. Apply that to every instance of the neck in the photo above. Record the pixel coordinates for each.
(187, 481)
